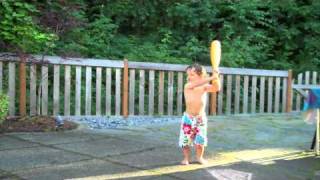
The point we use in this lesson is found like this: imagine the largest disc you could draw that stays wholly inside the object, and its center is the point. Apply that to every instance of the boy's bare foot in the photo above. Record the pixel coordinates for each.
(202, 161)
(184, 162)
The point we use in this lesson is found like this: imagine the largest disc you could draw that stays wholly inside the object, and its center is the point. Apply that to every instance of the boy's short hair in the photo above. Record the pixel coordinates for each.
(200, 70)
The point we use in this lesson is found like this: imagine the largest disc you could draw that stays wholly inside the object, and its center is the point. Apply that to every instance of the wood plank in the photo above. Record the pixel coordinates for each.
(307, 77)
(207, 96)
(145, 65)
(141, 91)
(108, 91)
(237, 95)
(270, 94)
(254, 94)
(88, 90)
(261, 94)
(98, 90)
(56, 89)
(289, 92)
(11, 88)
(170, 92)
(161, 92)
(125, 89)
(229, 91)
(180, 93)
(212, 103)
(151, 92)
(304, 86)
(284, 95)
(132, 91)
(1, 77)
(44, 90)
(118, 92)
(33, 89)
(298, 96)
(78, 91)
(314, 77)
(277, 96)
(67, 87)
(220, 96)
(245, 94)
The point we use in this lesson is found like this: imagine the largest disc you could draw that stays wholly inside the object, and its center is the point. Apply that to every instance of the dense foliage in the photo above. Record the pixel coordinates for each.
(267, 34)
(4, 105)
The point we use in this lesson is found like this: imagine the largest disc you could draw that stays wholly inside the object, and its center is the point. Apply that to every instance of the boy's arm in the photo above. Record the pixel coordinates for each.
(202, 82)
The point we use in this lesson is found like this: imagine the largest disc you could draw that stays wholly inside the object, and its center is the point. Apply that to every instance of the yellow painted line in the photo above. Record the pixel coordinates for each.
(260, 156)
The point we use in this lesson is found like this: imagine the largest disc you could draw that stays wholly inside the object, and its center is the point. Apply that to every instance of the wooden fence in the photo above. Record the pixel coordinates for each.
(74, 86)
(308, 78)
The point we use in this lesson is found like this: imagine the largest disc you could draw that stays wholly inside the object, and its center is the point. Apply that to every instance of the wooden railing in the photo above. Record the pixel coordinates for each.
(305, 80)
(75, 86)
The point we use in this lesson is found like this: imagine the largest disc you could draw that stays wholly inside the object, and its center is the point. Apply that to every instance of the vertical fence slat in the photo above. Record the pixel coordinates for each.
(277, 95)
(12, 89)
(67, 82)
(151, 92)
(161, 92)
(108, 91)
(289, 92)
(170, 92)
(261, 94)
(229, 91)
(56, 89)
(220, 96)
(245, 94)
(131, 91)
(237, 95)
(118, 92)
(88, 91)
(78, 91)
(1, 76)
(270, 94)
(307, 77)
(98, 90)
(298, 96)
(253, 94)
(141, 92)
(284, 95)
(314, 77)
(33, 90)
(207, 96)
(179, 93)
(44, 90)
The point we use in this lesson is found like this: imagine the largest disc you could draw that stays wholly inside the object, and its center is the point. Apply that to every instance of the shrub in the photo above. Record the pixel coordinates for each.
(4, 103)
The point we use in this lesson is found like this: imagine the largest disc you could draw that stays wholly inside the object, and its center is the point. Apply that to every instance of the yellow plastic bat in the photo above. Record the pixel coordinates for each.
(215, 55)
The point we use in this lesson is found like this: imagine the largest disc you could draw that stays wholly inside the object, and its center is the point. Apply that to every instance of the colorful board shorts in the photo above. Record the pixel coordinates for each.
(193, 130)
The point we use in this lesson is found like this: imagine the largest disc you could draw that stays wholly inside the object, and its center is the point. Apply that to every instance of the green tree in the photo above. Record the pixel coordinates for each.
(18, 30)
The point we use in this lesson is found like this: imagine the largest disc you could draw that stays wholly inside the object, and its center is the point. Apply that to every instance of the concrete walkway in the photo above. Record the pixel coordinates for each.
(240, 147)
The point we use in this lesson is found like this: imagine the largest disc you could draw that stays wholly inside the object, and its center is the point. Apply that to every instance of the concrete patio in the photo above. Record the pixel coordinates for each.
(240, 147)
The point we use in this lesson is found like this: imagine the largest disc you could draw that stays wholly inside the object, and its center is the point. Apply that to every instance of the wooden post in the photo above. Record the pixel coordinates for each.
(289, 92)
(125, 89)
(22, 83)
(213, 104)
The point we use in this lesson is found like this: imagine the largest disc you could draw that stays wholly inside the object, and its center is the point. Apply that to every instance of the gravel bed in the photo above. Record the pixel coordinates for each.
(120, 122)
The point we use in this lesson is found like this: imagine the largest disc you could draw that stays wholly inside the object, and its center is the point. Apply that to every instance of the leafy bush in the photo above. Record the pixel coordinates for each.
(4, 103)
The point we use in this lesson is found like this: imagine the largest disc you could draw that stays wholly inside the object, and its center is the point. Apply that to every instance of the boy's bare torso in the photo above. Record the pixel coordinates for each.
(195, 100)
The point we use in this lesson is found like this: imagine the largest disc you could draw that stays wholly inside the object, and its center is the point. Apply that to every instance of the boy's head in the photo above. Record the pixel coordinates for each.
(195, 71)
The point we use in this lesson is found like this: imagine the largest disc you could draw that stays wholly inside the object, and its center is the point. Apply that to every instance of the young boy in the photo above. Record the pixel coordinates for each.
(194, 122)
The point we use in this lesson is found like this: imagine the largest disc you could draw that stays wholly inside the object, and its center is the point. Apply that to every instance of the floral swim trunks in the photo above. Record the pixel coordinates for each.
(193, 130)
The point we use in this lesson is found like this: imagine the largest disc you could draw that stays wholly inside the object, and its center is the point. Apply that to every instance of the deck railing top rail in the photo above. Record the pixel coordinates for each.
(37, 59)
